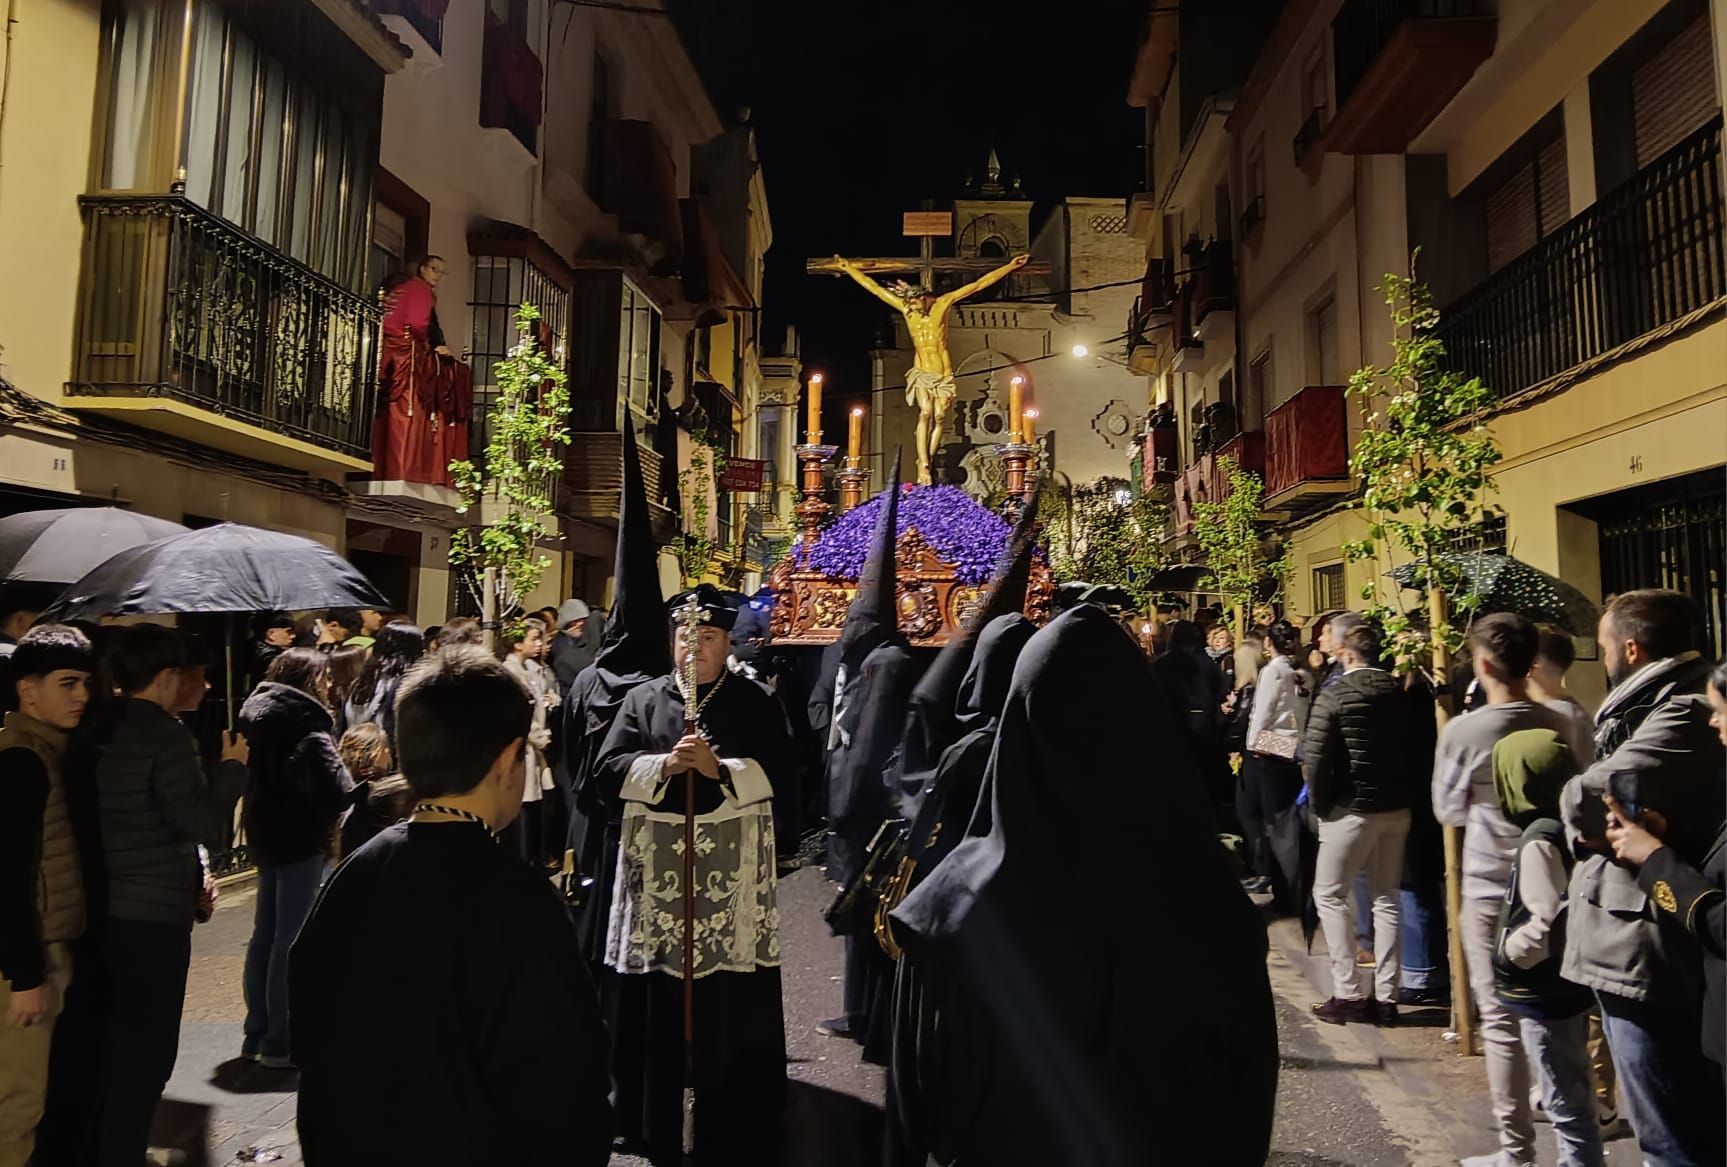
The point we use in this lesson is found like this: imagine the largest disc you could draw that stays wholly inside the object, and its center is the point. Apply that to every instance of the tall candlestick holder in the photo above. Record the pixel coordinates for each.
(813, 508)
(852, 478)
(1017, 457)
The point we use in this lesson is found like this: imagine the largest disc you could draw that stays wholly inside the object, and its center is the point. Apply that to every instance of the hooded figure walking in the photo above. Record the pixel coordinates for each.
(1044, 983)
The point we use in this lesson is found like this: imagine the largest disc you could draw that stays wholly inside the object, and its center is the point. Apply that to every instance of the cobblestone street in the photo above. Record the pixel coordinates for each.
(1347, 1097)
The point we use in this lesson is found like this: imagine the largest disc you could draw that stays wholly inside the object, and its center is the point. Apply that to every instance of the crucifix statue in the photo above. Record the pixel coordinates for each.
(930, 384)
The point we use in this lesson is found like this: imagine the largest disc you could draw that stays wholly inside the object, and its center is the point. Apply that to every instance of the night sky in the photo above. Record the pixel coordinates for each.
(863, 109)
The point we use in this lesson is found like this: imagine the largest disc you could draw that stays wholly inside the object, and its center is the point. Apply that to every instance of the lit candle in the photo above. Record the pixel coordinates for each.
(1015, 409)
(815, 422)
(854, 449)
(1030, 426)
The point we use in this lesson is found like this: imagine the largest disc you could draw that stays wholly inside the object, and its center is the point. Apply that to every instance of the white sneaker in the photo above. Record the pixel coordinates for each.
(1497, 1159)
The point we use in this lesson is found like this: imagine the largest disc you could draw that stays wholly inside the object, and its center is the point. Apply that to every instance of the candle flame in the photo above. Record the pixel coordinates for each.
(858, 411)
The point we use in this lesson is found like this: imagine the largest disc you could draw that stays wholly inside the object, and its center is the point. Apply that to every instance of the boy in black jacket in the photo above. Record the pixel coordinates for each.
(488, 1046)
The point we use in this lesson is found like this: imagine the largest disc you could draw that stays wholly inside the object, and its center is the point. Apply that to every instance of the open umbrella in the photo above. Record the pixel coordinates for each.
(63, 546)
(1507, 584)
(225, 568)
(1178, 577)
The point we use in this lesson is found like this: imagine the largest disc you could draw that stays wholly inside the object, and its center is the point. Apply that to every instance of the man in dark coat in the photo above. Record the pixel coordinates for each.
(1361, 774)
(571, 650)
(1045, 990)
(490, 1047)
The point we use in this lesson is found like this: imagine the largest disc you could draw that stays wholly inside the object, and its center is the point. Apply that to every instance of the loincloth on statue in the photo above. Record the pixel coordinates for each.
(929, 391)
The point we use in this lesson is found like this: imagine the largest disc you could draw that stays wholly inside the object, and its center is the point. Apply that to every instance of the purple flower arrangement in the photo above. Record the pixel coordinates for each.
(961, 530)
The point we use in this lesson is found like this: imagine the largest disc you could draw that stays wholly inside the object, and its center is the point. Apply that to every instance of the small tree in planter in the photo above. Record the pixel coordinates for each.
(1236, 551)
(1423, 457)
(500, 561)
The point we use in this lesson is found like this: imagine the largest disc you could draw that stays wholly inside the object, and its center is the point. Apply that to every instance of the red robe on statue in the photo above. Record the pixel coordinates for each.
(404, 438)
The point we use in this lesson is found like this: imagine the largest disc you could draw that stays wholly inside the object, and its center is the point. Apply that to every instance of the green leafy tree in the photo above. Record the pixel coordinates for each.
(1101, 533)
(1236, 550)
(1423, 458)
(511, 486)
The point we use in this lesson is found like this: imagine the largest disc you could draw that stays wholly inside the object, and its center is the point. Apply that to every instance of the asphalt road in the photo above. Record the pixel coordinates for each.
(1347, 1096)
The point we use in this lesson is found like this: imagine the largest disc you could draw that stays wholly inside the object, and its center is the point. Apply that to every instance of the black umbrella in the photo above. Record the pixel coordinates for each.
(227, 568)
(1178, 577)
(63, 546)
(1507, 584)
(224, 568)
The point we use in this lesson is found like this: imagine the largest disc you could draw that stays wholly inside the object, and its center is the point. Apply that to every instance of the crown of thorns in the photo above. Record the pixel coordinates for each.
(907, 291)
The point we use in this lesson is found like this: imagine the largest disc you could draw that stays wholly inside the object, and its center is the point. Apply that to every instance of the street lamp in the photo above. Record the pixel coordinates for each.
(1079, 350)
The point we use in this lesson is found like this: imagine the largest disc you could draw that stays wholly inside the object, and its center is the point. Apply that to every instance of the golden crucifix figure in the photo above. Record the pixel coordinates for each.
(930, 384)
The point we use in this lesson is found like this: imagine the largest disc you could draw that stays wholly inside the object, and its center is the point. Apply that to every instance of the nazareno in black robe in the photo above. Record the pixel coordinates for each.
(1055, 1028)
(636, 649)
(739, 1018)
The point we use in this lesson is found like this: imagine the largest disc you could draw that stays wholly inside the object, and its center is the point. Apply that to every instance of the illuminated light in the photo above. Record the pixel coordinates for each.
(1018, 381)
(1123, 497)
(1079, 350)
(858, 411)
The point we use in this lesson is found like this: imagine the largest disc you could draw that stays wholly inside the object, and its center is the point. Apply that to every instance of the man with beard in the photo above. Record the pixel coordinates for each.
(1045, 989)
(1657, 757)
(740, 758)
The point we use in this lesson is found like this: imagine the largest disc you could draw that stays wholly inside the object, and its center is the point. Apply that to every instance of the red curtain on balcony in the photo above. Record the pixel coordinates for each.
(1307, 439)
(455, 416)
(404, 433)
(510, 78)
(640, 184)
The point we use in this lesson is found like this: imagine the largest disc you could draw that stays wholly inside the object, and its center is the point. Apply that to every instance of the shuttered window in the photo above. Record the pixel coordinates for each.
(1528, 206)
(1673, 92)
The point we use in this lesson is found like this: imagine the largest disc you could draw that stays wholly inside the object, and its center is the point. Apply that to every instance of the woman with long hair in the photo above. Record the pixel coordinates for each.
(1270, 776)
(346, 663)
(299, 789)
(372, 697)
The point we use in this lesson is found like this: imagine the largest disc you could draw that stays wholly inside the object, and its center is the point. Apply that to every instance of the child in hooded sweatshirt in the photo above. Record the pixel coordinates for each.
(1530, 768)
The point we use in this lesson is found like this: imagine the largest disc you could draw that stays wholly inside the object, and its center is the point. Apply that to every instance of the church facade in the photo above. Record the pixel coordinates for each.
(1028, 326)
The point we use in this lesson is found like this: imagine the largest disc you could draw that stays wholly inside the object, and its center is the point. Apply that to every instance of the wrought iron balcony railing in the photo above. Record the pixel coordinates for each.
(177, 303)
(1645, 255)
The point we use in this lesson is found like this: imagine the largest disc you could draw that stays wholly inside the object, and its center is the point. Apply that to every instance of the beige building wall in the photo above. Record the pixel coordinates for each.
(50, 57)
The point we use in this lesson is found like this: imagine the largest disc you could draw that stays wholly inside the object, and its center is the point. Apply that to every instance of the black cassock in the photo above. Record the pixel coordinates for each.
(1053, 1026)
(739, 1018)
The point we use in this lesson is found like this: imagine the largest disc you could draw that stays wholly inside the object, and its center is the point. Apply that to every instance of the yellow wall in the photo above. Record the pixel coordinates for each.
(44, 161)
(1564, 44)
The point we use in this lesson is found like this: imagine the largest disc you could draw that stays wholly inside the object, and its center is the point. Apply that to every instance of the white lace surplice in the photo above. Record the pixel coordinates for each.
(737, 926)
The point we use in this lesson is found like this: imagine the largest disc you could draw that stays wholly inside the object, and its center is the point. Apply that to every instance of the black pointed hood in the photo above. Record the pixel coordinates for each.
(931, 723)
(873, 618)
(636, 640)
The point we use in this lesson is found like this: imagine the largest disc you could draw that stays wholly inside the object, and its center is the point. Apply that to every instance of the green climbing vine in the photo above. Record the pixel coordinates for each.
(698, 552)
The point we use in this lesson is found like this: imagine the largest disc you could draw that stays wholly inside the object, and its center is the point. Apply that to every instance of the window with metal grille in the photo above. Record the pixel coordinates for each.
(1328, 588)
(502, 283)
(1670, 534)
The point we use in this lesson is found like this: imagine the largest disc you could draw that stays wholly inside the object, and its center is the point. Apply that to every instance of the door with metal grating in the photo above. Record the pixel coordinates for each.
(1671, 535)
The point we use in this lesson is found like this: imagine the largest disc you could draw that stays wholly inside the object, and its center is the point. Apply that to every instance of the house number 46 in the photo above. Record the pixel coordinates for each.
(1636, 464)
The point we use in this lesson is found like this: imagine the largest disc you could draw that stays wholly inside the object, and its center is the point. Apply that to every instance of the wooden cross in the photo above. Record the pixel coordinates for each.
(924, 226)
